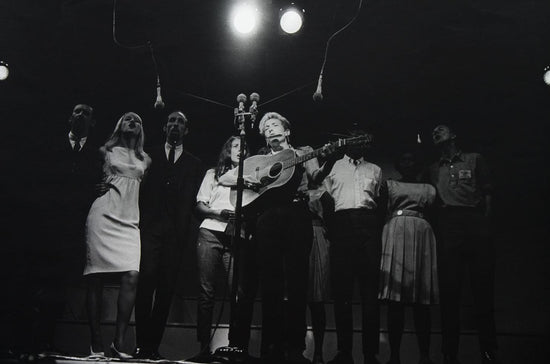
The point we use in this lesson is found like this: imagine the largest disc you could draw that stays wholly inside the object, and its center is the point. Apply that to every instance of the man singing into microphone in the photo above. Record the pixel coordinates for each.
(284, 238)
(167, 199)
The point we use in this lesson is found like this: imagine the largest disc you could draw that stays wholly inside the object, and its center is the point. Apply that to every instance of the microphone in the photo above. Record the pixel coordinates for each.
(318, 95)
(159, 104)
(241, 99)
(254, 97)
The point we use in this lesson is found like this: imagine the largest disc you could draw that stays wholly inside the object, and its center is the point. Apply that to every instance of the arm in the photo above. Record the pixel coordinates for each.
(484, 180)
(204, 211)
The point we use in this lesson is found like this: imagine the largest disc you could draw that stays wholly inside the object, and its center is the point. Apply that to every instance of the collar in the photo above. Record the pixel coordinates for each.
(74, 138)
(457, 156)
(350, 160)
(168, 146)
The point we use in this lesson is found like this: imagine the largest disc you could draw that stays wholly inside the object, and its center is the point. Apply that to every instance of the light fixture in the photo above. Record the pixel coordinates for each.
(546, 76)
(4, 70)
(291, 18)
(244, 18)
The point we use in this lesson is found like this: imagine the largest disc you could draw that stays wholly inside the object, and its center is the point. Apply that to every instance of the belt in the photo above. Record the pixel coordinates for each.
(407, 213)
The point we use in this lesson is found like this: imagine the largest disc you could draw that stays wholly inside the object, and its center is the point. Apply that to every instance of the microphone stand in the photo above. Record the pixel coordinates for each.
(243, 121)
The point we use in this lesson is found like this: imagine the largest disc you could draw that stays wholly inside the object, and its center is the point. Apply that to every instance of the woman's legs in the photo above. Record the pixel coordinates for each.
(94, 293)
(396, 318)
(422, 323)
(126, 300)
(318, 323)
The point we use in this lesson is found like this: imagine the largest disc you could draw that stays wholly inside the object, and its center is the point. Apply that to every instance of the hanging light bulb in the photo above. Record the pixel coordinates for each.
(291, 18)
(4, 70)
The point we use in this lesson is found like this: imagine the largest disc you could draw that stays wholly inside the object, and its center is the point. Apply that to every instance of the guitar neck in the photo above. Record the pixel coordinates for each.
(317, 152)
(302, 158)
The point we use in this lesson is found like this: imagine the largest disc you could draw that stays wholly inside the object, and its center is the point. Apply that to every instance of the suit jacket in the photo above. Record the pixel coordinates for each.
(66, 183)
(168, 193)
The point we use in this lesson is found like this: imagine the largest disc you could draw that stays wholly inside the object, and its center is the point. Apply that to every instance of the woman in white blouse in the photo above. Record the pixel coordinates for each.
(213, 243)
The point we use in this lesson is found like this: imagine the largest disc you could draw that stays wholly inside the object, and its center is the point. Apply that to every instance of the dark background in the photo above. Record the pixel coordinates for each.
(400, 69)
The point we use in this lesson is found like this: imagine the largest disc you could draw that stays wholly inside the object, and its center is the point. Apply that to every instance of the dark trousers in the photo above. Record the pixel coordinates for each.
(464, 243)
(355, 255)
(247, 287)
(213, 257)
(284, 236)
(161, 259)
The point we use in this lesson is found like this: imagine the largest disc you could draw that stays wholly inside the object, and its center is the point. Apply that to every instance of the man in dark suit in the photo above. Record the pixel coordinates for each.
(167, 199)
(66, 172)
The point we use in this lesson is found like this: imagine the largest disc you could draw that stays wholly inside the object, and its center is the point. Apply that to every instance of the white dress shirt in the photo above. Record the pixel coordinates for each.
(216, 197)
(177, 152)
(73, 138)
(354, 185)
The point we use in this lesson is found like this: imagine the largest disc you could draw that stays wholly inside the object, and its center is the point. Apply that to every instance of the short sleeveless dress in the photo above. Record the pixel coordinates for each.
(112, 228)
(408, 268)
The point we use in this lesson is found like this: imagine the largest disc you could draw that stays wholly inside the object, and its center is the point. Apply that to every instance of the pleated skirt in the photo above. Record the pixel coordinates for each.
(318, 285)
(408, 268)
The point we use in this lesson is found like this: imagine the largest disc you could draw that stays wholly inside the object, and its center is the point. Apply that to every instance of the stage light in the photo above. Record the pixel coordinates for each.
(4, 70)
(292, 18)
(546, 76)
(245, 18)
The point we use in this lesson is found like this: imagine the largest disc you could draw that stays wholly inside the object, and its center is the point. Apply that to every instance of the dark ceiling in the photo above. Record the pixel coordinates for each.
(400, 68)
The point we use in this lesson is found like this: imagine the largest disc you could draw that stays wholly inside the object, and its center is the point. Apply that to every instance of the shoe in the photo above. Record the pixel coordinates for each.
(119, 354)
(450, 359)
(489, 357)
(155, 355)
(96, 355)
(141, 353)
(341, 358)
(370, 359)
(48, 350)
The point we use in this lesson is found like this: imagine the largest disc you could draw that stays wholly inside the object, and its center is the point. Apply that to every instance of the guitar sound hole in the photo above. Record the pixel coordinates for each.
(275, 170)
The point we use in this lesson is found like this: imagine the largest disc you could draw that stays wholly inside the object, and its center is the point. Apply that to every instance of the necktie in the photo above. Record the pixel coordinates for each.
(172, 154)
(76, 147)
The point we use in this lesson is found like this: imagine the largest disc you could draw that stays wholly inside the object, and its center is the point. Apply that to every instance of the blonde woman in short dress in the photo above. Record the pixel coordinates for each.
(112, 231)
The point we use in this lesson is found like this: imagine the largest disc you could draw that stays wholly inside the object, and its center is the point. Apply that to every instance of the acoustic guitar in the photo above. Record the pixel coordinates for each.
(276, 173)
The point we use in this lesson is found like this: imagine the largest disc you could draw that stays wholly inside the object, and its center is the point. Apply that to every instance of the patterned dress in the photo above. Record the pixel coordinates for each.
(408, 269)
(112, 228)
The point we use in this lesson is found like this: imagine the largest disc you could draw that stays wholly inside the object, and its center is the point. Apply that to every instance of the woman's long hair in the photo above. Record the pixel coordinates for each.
(115, 139)
(224, 160)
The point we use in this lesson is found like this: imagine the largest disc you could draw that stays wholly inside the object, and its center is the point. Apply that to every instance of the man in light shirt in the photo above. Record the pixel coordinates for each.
(355, 183)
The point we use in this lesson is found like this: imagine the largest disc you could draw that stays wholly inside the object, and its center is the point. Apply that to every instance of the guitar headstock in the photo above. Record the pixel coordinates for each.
(359, 140)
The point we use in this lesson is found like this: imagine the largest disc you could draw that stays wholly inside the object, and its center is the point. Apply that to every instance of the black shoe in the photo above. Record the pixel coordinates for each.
(450, 359)
(489, 357)
(49, 350)
(155, 355)
(341, 358)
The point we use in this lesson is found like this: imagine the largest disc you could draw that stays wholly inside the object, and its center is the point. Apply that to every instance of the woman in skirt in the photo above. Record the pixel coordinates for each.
(408, 269)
